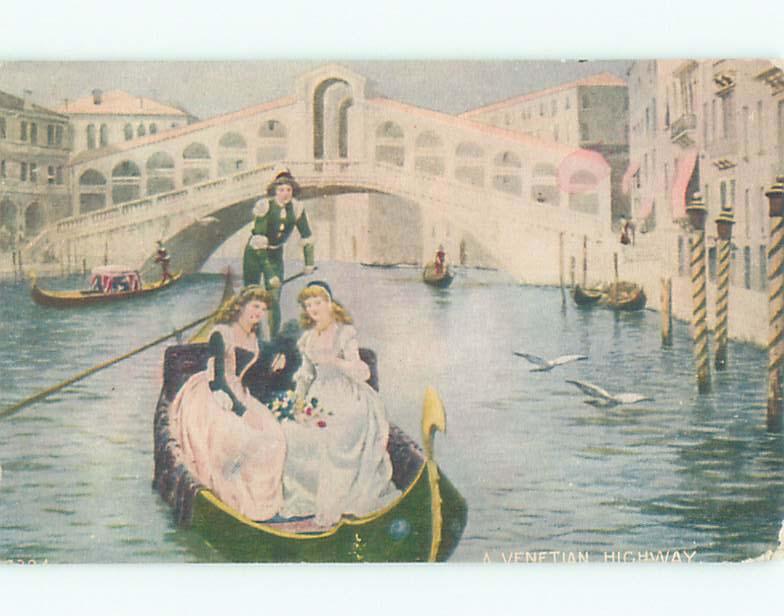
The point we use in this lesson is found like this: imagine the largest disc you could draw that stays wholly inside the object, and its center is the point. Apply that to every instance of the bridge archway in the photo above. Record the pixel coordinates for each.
(34, 218)
(332, 99)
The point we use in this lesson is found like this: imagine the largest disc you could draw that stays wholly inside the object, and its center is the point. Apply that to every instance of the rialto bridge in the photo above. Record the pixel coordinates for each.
(382, 180)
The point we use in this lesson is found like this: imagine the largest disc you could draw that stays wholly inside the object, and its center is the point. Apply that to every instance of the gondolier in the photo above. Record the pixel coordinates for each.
(274, 220)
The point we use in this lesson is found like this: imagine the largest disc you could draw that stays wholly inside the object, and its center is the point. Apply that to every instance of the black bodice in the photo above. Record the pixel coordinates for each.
(242, 358)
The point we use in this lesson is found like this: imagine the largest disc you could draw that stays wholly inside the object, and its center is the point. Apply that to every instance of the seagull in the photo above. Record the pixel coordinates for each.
(543, 365)
(604, 398)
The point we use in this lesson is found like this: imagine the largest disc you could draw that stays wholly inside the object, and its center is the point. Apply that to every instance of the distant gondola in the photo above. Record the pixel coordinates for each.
(625, 296)
(107, 284)
(586, 297)
(440, 280)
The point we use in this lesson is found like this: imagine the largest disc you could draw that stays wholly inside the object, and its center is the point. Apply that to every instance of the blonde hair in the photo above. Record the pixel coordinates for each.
(339, 313)
(230, 311)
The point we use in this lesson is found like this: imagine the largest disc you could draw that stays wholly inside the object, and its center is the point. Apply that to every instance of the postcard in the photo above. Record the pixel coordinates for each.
(487, 312)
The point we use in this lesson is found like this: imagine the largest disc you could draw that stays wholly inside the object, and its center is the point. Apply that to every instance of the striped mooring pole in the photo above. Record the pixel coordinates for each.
(697, 213)
(775, 302)
(724, 223)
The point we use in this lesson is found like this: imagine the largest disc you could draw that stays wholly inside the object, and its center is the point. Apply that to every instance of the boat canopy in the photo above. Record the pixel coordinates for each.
(115, 279)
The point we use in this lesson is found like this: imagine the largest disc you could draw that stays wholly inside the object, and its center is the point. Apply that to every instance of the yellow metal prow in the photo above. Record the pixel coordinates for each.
(433, 418)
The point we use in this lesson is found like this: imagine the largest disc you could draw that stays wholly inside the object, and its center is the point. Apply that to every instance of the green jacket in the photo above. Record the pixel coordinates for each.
(273, 225)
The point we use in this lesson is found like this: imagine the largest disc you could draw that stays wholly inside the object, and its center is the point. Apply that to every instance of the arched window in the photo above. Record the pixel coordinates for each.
(91, 136)
(153, 129)
(196, 151)
(160, 160)
(104, 135)
(126, 178)
(389, 144)
(232, 153)
(544, 186)
(469, 163)
(92, 191)
(128, 132)
(160, 169)
(34, 219)
(507, 177)
(582, 192)
(429, 154)
(141, 131)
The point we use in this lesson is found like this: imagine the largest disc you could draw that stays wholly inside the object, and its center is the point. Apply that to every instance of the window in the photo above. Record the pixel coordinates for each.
(647, 120)
(727, 117)
(2, 169)
(50, 175)
(33, 172)
(2, 128)
(23, 131)
(747, 267)
(586, 101)
(90, 136)
(128, 132)
(33, 133)
(760, 129)
(49, 134)
(58, 135)
(23, 172)
(153, 129)
(731, 204)
(104, 135)
(141, 131)
(723, 195)
(59, 175)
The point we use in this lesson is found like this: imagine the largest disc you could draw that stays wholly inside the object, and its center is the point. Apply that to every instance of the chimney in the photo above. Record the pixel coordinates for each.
(97, 96)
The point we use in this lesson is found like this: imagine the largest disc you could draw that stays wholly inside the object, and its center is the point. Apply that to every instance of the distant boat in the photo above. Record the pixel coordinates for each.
(586, 297)
(625, 296)
(380, 265)
(440, 280)
(108, 283)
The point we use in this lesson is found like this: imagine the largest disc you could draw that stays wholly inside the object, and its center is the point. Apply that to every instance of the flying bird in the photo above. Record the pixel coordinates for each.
(543, 365)
(601, 397)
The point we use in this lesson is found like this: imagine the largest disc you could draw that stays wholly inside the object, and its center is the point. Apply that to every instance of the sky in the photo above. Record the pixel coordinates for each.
(211, 88)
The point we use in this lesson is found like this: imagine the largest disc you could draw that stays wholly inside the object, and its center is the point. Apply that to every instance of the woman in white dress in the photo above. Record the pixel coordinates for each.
(229, 440)
(338, 466)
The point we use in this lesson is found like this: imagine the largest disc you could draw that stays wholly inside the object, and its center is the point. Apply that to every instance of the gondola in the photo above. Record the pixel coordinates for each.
(424, 524)
(440, 280)
(625, 296)
(132, 287)
(586, 297)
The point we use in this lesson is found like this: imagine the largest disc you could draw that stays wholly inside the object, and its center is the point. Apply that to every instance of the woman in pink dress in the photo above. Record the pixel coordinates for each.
(229, 440)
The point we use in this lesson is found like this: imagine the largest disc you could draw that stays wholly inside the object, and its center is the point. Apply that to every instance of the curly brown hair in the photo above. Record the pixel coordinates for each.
(230, 311)
(339, 313)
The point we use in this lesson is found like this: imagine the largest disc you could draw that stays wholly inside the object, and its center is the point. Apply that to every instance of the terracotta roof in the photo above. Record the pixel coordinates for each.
(601, 79)
(118, 102)
(174, 133)
(467, 123)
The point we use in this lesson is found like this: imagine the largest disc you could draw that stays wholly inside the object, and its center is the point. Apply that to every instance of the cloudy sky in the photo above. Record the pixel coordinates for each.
(213, 87)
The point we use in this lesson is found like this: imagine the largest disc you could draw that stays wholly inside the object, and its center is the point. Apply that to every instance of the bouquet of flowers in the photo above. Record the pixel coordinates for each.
(286, 406)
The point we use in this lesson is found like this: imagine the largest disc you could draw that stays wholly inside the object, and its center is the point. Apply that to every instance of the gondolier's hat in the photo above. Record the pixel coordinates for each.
(281, 178)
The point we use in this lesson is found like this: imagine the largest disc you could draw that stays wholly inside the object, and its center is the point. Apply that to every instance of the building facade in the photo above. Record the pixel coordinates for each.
(107, 118)
(591, 113)
(34, 149)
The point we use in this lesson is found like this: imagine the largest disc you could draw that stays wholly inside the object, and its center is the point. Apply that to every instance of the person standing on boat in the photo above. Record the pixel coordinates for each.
(440, 262)
(338, 466)
(162, 257)
(274, 220)
(229, 440)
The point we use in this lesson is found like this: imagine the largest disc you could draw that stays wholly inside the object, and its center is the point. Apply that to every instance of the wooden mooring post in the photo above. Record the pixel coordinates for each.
(585, 261)
(697, 212)
(724, 224)
(561, 266)
(775, 302)
(666, 311)
(572, 267)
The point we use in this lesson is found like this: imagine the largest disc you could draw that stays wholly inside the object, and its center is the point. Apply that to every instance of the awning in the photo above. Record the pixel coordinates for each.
(645, 210)
(626, 182)
(681, 182)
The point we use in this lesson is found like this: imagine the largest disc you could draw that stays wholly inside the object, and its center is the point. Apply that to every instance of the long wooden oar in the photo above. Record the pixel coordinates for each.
(84, 374)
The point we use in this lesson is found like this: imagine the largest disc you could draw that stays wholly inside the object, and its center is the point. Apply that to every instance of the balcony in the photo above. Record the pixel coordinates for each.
(682, 130)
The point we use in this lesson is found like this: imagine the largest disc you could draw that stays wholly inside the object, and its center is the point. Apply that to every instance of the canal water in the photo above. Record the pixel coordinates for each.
(540, 469)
